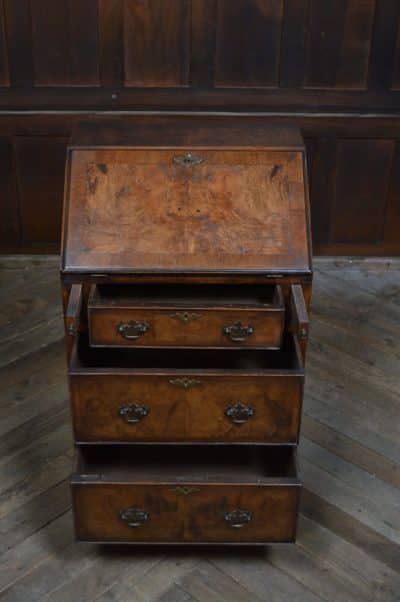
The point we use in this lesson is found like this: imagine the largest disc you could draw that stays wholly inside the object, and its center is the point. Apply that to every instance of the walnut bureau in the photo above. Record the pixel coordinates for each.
(186, 275)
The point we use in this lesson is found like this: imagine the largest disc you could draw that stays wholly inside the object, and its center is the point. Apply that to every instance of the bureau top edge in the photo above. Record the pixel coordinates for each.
(185, 130)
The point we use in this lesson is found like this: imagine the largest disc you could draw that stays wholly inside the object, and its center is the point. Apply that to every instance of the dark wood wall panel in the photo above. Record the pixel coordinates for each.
(4, 70)
(353, 61)
(396, 62)
(40, 163)
(156, 42)
(361, 187)
(65, 48)
(354, 166)
(248, 42)
(201, 54)
(339, 43)
(382, 62)
(10, 232)
(293, 44)
(110, 43)
(392, 217)
(19, 45)
(324, 42)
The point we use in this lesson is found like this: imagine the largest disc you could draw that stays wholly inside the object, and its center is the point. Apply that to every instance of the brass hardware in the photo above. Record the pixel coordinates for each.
(132, 330)
(239, 413)
(238, 518)
(134, 517)
(188, 160)
(238, 333)
(185, 490)
(185, 316)
(185, 382)
(303, 334)
(133, 413)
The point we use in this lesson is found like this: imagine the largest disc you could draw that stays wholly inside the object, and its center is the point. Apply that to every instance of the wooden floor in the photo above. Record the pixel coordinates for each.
(349, 531)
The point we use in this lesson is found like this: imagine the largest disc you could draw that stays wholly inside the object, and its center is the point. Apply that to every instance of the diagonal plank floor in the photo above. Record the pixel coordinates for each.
(349, 530)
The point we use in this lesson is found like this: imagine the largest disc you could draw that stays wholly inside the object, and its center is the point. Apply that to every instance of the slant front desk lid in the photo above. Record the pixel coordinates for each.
(186, 208)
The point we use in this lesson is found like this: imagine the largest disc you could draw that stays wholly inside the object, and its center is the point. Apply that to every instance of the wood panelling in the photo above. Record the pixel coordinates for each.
(352, 71)
(156, 42)
(111, 42)
(9, 206)
(387, 15)
(19, 43)
(396, 64)
(4, 72)
(361, 186)
(255, 54)
(323, 47)
(65, 42)
(392, 217)
(353, 165)
(293, 44)
(248, 42)
(339, 43)
(40, 171)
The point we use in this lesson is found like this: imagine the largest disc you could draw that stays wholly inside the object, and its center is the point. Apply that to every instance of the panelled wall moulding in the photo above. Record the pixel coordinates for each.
(337, 54)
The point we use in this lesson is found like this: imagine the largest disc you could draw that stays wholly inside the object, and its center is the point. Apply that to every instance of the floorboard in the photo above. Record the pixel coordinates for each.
(348, 545)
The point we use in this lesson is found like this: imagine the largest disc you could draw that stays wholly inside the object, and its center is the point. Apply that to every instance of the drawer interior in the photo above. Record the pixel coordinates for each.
(213, 295)
(200, 464)
(287, 358)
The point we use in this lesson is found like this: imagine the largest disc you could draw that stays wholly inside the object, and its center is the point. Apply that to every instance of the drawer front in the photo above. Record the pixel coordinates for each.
(185, 513)
(186, 327)
(176, 407)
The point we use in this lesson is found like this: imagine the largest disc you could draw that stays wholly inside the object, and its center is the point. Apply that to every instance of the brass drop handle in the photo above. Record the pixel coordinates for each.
(237, 332)
(132, 330)
(238, 518)
(134, 517)
(239, 413)
(133, 413)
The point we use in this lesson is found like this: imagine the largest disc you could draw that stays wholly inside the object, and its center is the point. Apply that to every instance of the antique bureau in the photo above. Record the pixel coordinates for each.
(186, 275)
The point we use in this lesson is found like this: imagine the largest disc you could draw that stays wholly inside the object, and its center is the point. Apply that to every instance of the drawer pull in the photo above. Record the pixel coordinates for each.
(134, 517)
(238, 333)
(238, 518)
(239, 413)
(132, 330)
(133, 413)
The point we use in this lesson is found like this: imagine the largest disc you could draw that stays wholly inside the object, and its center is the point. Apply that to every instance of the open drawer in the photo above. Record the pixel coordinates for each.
(186, 316)
(206, 495)
(148, 395)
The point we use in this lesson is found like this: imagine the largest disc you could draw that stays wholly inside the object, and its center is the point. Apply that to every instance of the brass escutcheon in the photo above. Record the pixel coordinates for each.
(185, 382)
(188, 160)
(185, 316)
(185, 490)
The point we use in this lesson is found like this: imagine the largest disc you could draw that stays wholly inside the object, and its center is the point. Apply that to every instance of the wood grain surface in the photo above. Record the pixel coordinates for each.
(140, 210)
(348, 543)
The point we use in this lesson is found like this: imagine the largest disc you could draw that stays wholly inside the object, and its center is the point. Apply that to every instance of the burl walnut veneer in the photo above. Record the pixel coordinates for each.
(186, 274)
